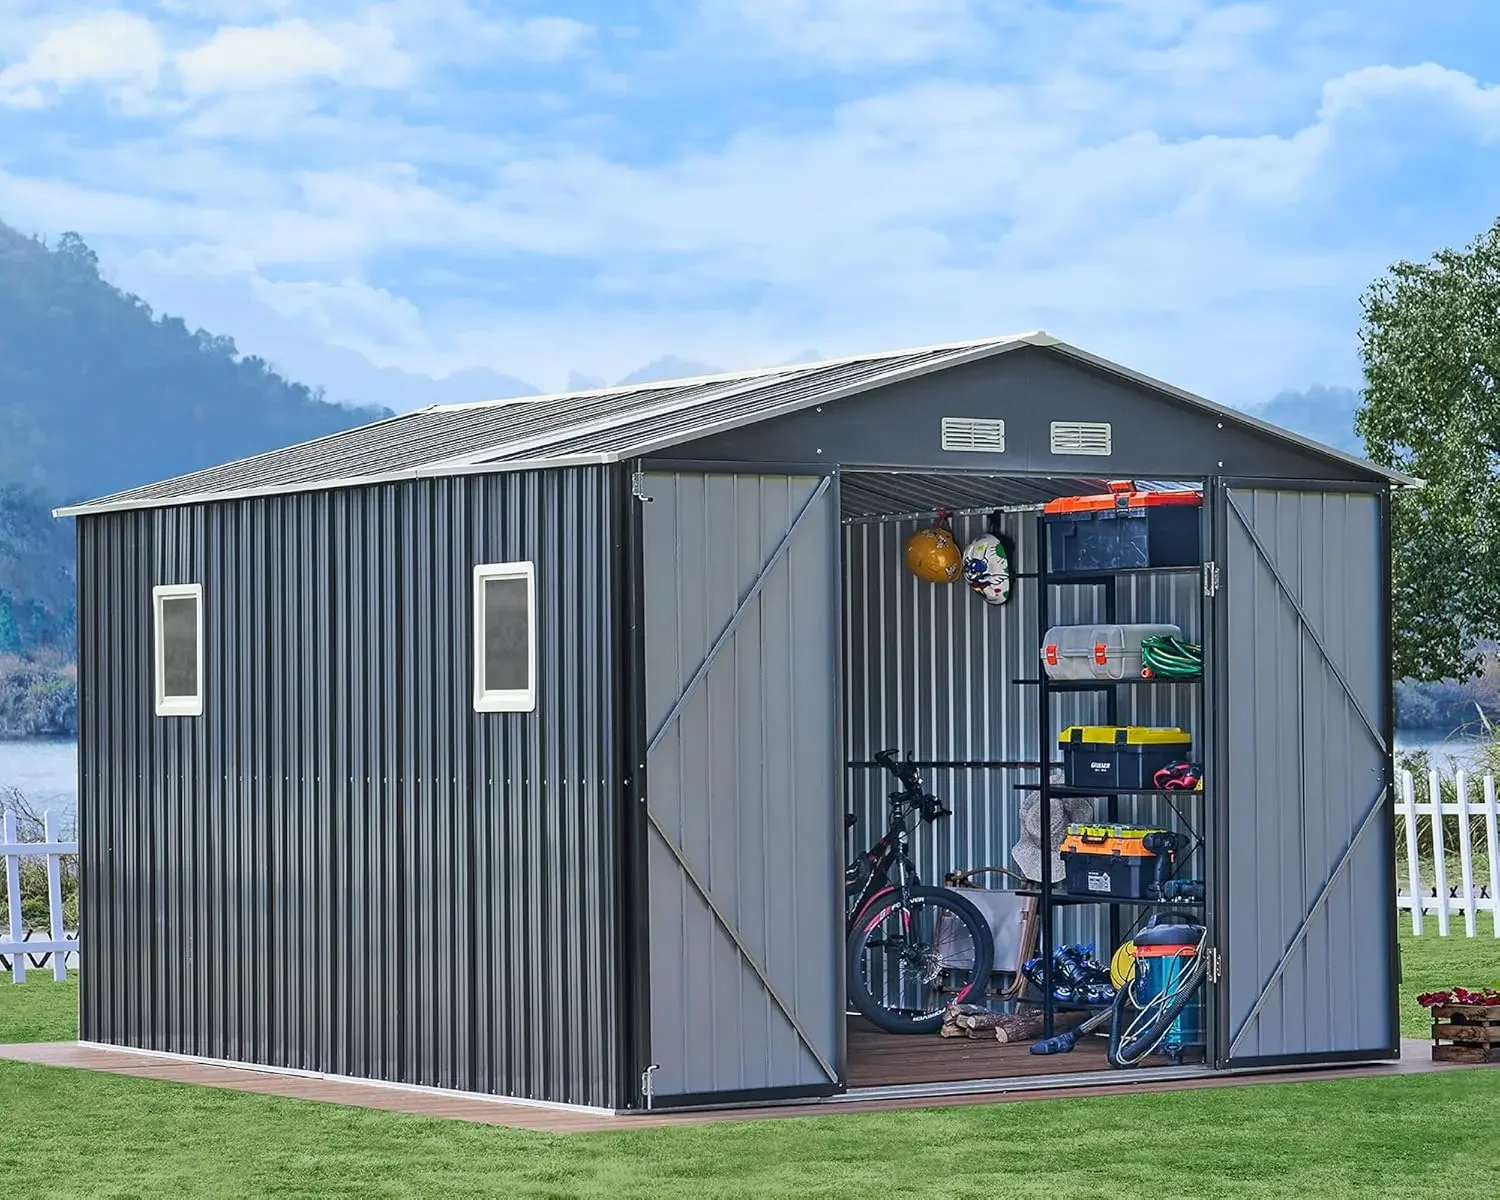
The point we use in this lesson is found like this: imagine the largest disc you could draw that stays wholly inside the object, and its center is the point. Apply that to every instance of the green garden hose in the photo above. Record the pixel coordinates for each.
(1170, 658)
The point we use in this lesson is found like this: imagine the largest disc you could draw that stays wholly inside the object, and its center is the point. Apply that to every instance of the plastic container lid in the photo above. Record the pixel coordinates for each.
(1122, 494)
(1123, 735)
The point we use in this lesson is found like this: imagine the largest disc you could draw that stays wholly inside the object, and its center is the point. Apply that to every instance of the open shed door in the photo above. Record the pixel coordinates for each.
(1304, 760)
(742, 789)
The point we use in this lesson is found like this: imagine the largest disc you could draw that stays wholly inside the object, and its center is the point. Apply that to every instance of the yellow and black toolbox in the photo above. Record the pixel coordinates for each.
(1108, 860)
(1119, 756)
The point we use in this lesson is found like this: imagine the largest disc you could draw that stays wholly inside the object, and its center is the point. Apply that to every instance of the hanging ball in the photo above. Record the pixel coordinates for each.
(933, 554)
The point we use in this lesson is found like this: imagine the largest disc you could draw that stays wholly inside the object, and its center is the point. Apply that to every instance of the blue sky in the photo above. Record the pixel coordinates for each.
(543, 187)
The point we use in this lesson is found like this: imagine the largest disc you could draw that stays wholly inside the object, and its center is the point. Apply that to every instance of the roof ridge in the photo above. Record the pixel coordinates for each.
(750, 373)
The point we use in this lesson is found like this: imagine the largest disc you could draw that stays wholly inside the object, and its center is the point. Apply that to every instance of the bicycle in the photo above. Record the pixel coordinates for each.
(913, 948)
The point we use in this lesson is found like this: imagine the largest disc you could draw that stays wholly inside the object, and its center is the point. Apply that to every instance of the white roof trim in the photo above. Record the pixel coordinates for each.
(429, 471)
(1234, 414)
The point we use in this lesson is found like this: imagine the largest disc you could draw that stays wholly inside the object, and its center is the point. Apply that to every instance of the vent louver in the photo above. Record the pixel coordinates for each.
(1080, 437)
(980, 435)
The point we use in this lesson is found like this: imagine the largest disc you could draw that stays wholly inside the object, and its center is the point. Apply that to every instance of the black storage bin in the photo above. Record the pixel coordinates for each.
(1124, 530)
(1124, 756)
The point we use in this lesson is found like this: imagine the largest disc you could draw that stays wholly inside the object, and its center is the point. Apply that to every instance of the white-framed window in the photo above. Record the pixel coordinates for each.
(177, 629)
(505, 637)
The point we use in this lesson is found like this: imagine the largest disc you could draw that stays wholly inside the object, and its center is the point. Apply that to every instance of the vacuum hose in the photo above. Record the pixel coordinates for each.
(1129, 1045)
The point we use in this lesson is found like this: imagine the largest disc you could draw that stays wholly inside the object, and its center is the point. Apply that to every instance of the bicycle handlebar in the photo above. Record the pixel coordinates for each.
(931, 807)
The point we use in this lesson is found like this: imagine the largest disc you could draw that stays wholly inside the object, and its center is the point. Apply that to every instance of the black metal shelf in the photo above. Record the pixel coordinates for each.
(1111, 691)
(1057, 789)
(1114, 573)
(1100, 685)
(1066, 898)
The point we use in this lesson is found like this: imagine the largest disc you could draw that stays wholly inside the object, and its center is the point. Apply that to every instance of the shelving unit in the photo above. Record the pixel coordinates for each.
(1051, 898)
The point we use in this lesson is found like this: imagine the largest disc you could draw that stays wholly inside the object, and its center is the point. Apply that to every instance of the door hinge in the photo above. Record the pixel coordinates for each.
(1210, 578)
(638, 487)
(1211, 966)
(648, 1094)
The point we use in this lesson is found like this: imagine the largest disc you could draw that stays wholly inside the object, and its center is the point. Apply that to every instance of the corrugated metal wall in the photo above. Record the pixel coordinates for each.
(931, 670)
(743, 781)
(1310, 921)
(340, 867)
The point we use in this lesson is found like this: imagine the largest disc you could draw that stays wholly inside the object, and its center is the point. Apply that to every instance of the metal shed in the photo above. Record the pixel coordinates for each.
(340, 861)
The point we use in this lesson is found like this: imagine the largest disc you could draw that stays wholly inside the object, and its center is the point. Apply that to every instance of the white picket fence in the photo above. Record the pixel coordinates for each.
(1425, 886)
(20, 944)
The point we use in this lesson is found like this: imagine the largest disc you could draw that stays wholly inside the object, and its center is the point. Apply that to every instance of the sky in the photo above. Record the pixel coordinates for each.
(560, 190)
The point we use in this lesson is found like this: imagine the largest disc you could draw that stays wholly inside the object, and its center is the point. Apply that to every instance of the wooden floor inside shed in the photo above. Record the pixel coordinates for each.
(880, 1059)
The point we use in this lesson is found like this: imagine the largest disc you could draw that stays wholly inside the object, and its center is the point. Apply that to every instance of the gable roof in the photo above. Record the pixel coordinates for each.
(607, 425)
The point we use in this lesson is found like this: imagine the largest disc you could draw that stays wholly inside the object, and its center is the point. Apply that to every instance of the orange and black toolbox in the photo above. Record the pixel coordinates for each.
(1108, 860)
(1124, 528)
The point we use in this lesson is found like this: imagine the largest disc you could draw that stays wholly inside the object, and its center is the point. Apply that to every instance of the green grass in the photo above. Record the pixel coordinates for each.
(114, 1136)
(38, 1010)
(1432, 964)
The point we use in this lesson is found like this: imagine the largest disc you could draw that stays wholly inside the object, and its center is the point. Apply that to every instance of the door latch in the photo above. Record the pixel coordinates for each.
(638, 487)
(646, 1089)
(1210, 579)
(1211, 964)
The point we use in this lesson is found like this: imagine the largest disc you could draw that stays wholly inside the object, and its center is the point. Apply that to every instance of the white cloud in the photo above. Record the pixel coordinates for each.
(1152, 179)
(854, 32)
(241, 58)
(119, 51)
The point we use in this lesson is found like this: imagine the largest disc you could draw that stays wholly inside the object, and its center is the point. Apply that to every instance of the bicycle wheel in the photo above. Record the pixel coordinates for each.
(909, 959)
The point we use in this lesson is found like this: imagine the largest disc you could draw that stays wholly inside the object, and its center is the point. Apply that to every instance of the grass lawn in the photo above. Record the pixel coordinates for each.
(89, 1134)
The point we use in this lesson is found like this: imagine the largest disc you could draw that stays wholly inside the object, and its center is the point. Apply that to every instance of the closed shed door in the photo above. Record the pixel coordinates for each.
(743, 809)
(1310, 904)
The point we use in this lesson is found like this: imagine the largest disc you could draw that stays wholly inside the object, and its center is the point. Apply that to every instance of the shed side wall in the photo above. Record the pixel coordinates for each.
(341, 867)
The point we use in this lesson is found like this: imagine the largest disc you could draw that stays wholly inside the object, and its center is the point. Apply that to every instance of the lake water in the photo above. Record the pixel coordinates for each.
(47, 772)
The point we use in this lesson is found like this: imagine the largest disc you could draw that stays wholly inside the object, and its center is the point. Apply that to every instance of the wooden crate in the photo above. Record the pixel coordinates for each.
(1466, 1033)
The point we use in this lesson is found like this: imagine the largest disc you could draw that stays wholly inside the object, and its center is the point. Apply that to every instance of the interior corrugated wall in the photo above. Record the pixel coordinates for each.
(932, 670)
(341, 867)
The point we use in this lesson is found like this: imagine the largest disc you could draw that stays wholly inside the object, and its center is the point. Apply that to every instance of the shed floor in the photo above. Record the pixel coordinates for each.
(879, 1059)
(1416, 1058)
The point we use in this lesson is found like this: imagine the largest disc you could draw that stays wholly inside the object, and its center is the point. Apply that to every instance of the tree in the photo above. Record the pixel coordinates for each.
(1430, 341)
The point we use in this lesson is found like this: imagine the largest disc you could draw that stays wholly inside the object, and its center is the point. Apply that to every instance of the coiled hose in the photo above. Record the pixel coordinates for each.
(1170, 658)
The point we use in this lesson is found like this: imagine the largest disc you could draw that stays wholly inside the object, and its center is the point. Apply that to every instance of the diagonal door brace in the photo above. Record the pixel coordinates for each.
(1296, 941)
(1291, 596)
(744, 606)
(745, 952)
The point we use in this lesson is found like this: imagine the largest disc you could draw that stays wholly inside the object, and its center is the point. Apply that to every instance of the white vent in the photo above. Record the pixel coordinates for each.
(977, 435)
(1080, 437)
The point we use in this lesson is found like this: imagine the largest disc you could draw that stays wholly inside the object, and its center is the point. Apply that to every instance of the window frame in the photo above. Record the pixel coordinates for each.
(507, 700)
(176, 706)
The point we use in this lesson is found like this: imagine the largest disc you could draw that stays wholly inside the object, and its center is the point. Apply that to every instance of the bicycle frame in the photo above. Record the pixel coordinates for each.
(886, 866)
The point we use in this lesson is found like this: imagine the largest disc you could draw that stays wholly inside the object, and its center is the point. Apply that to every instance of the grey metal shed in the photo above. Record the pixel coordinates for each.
(338, 859)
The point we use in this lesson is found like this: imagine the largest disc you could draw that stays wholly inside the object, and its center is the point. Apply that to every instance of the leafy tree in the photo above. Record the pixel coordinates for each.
(1430, 341)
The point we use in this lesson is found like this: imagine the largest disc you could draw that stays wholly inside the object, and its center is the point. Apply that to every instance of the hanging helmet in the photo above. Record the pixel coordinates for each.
(987, 564)
(932, 553)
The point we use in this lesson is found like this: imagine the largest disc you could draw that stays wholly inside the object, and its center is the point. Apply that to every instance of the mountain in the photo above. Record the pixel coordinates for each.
(98, 393)
(669, 367)
(36, 575)
(1325, 414)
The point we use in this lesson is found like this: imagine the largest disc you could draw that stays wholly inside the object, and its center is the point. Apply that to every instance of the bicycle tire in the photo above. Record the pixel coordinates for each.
(957, 982)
